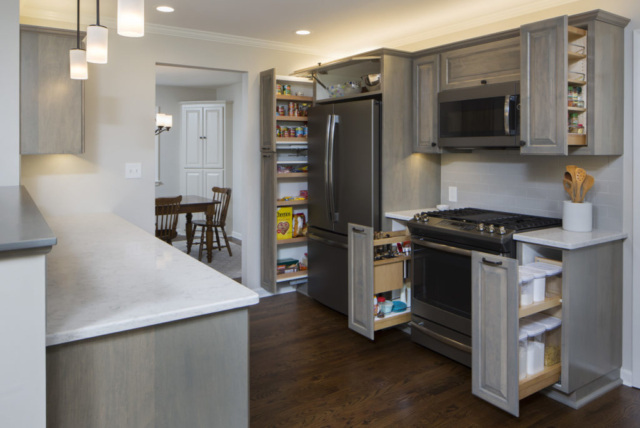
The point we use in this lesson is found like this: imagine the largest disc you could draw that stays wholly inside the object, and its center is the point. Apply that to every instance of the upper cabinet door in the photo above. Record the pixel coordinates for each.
(425, 87)
(361, 280)
(493, 62)
(494, 331)
(192, 136)
(543, 99)
(268, 110)
(214, 137)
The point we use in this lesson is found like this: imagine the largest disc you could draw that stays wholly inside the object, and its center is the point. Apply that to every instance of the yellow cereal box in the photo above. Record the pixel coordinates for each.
(285, 223)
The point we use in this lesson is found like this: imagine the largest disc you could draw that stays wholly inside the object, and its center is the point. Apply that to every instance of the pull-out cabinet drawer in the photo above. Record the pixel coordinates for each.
(495, 323)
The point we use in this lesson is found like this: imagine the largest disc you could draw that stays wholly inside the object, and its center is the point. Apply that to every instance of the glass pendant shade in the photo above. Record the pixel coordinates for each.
(78, 62)
(131, 18)
(97, 44)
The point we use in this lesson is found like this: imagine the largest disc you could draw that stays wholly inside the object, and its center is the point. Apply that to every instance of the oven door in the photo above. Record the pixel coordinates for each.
(441, 283)
(485, 116)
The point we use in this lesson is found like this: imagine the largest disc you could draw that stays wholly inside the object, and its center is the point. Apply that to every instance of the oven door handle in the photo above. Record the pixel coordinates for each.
(441, 247)
(441, 338)
(507, 115)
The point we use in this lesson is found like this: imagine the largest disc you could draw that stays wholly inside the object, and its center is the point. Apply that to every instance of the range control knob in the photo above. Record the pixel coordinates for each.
(425, 218)
(416, 217)
(481, 227)
(492, 229)
(502, 230)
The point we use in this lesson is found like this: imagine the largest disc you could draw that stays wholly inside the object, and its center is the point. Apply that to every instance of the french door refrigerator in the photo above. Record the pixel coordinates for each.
(344, 187)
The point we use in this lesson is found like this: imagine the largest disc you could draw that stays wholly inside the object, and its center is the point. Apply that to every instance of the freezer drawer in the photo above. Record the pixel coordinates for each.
(328, 280)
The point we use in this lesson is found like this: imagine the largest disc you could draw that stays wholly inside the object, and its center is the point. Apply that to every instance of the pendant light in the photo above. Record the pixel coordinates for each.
(97, 40)
(131, 18)
(78, 57)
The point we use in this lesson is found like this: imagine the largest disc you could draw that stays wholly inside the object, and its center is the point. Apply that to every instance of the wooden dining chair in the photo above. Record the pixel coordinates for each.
(167, 218)
(219, 220)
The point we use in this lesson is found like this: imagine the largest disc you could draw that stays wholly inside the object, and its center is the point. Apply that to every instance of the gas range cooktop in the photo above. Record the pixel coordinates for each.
(477, 228)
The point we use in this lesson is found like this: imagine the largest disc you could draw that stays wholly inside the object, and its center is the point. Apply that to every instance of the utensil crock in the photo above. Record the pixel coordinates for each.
(577, 217)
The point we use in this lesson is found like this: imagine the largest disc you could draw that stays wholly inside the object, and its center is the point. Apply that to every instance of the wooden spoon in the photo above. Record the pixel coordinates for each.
(568, 186)
(587, 185)
(581, 175)
(567, 176)
(571, 169)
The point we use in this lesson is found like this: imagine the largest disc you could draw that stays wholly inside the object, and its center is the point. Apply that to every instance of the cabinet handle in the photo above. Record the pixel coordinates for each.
(266, 156)
(523, 143)
(433, 144)
(357, 229)
(491, 262)
(484, 82)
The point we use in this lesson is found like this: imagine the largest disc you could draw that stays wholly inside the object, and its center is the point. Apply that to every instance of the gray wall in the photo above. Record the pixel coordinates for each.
(532, 184)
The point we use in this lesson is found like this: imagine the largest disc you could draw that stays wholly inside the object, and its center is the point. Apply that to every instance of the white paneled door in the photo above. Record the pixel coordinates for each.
(212, 178)
(192, 137)
(213, 135)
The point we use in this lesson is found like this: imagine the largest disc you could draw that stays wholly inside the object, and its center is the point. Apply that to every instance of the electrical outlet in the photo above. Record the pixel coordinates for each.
(453, 194)
(133, 170)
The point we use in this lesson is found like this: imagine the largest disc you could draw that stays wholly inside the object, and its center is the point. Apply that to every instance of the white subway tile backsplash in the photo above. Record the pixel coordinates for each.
(531, 184)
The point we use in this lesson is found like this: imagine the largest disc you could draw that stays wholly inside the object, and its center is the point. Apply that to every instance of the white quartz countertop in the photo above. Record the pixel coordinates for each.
(560, 238)
(107, 275)
(408, 214)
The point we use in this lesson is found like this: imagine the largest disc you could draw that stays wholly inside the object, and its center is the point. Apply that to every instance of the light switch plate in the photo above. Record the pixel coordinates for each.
(133, 170)
(453, 194)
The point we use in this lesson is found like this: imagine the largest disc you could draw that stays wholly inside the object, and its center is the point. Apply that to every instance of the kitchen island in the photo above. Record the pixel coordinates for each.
(140, 334)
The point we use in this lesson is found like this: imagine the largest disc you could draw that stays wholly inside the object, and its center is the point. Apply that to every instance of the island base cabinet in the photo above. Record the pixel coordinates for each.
(188, 373)
(494, 331)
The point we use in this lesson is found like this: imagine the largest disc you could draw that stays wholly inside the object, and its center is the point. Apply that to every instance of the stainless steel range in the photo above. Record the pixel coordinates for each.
(442, 242)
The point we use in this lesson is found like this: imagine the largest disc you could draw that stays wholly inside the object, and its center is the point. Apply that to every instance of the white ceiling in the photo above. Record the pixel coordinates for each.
(345, 26)
(195, 77)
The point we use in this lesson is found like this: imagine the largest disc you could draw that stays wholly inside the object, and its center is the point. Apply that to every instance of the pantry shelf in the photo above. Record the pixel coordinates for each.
(292, 276)
(547, 303)
(293, 98)
(292, 240)
(577, 140)
(573, 82)
(349, 97)
(577, 109)
(292, 118)
(300, 162)
(532, 384)
(290, 203)
(392, 319)
(573, 56)
(291, 140)
(393, 260)
(294, 175)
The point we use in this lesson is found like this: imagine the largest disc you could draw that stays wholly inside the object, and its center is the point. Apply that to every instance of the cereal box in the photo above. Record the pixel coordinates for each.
(285, 223)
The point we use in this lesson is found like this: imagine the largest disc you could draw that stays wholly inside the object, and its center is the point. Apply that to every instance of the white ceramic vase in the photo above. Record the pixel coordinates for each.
(577, 217)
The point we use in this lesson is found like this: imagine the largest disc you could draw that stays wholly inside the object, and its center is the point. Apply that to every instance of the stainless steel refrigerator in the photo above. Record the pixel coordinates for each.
(344, 187)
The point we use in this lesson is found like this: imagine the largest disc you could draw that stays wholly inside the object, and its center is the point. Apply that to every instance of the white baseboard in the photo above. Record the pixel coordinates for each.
(627, 377)
(237, 235)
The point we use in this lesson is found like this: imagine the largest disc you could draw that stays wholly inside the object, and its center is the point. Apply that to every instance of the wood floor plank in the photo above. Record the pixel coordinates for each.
(309, 370)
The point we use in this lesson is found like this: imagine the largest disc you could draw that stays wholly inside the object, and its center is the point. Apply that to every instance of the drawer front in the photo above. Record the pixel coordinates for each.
(493, 62)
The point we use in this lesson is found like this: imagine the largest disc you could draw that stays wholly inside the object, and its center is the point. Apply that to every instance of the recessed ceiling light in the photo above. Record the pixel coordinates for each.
(166, 9)
(303, 32)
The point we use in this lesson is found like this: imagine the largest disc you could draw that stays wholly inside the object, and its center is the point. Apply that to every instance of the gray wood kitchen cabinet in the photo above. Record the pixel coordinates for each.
(493, 62)
(268, 244)
(268, 110)
(51, 103)
(543, 86)
(588, 300)
(426, 82)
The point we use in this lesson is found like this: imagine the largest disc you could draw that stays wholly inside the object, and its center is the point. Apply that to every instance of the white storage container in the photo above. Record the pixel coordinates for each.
(525, 279)
(552, 338)
(522, 353)
(535, 347)
(549, 270)
(539, 282)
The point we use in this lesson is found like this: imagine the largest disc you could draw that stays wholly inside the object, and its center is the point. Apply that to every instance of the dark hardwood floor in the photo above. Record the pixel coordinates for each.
(309, 370)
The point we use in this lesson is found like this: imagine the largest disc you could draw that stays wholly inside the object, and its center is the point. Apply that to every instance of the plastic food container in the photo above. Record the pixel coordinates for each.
(522, 353)
(550, 271)
(525, 279)
(539, 282)
(553, 338)
(535, 347)
(386, 307)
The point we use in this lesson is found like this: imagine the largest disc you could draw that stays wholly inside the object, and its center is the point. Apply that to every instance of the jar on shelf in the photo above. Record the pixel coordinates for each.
(552, 338)
(579, 101)
(573, 119)
(535, 346)
(526, 287)
(570, 96)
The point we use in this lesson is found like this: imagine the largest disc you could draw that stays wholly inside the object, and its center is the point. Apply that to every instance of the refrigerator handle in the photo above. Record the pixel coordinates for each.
(332, 200)
(326, 166)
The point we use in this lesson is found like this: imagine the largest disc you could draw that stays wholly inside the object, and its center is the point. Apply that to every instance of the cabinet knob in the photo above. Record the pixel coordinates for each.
(433, 144)
(523, 143)
(484, 82)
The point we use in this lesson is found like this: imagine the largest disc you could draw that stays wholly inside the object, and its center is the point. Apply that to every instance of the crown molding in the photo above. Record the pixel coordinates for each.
(478, 22)
(166, 30)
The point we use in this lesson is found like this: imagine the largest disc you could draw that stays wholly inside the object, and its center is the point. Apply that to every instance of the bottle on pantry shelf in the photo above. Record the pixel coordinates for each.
(580, 99)
(573, 120)
(375, 305)
(570, 96)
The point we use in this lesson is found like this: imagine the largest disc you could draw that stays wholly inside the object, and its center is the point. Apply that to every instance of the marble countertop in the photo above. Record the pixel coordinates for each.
(408, 214)
(107, 275)
(560, 238)
(22, 226)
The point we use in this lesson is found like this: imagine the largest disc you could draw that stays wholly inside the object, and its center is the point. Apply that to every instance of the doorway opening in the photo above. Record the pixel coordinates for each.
(202, 151)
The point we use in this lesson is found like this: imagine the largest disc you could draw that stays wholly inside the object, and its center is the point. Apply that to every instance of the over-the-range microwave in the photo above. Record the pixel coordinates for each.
(486, 116)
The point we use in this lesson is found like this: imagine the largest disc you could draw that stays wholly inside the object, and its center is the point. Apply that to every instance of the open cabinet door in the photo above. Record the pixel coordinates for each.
(268, 111)
(494, 331)
(361, 279)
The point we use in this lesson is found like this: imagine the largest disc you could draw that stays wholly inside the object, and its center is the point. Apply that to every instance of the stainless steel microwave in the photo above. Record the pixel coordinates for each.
(481, 116)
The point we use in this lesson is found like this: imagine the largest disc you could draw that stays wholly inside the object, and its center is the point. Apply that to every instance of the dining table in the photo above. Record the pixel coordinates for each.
(193, 204)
